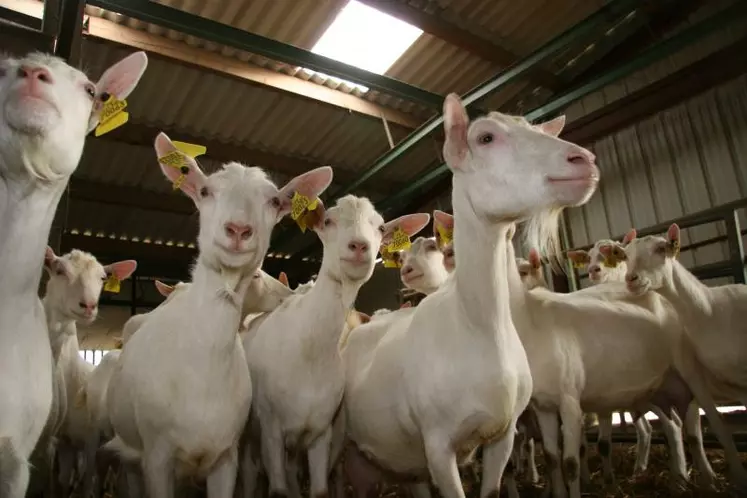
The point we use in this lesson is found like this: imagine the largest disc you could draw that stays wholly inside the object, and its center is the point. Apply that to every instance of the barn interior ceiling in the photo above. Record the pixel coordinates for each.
(243, 79)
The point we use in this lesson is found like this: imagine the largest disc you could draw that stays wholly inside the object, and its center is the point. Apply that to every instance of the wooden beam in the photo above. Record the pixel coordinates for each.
(109, 31)
(713, 70)
(130, 197)
(435, 24)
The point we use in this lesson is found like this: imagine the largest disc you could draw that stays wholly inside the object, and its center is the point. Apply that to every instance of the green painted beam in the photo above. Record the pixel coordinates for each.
(578, 32)
(589, 26)
(206, 29)
(660, 50)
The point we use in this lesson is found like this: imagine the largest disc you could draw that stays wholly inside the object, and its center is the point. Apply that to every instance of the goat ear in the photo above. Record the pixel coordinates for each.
(673, 234)
(534, 259)
(315, 218)
(121, 269)
(122, 78)
(408, 304)
(456, 123)
(119, 80)
(164, 289)
(310, 184)
(442, 222)
(631, 235)
(49, 259)
(553, 127)
(409, 223)
(193, 180)
(579, 257)
(617, 254)
(283, 279)
(365, 318)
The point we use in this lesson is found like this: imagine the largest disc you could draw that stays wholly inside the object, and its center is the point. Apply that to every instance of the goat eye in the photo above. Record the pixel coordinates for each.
(204, 192)
(485, 138)
(275, 201)
(90, 90)
(60, 272)
(523, 273)
(382, 229)
(327, 222)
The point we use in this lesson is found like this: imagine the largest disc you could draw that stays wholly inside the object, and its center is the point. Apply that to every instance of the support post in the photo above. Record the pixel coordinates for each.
(736, 248)
(69, 34)
(51, 18)
(133, 294)
(570, 278)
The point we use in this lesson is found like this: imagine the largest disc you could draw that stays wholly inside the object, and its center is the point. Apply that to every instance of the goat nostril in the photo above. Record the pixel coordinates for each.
(631, 278)
(577, 159)
(234, 230)
(22, 73)
(358, 246)
(82, 305)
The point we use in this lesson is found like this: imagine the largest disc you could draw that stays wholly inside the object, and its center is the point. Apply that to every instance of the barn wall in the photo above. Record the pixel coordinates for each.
(381, 291)
(680, 161)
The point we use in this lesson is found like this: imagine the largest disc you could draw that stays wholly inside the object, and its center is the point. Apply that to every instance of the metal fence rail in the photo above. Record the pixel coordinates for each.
(733, 266)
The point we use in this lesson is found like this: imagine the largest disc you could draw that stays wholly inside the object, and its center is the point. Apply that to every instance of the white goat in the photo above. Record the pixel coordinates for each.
(599, 263)
(72, 295)
(417, 417)
(530, 271)
(135, 321)
(445, 225)
(423, 267)
(192, 417)
(92, 395)
(714, 319)
(48, 107)
(265, 293)
(611, 255)
(602, 267)
(304, 332)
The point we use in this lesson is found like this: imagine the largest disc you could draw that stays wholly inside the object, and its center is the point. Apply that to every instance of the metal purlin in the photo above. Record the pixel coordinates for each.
(660, 50)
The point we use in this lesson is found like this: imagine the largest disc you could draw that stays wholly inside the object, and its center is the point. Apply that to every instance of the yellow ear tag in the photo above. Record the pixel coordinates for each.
(444, 234)
(299, 202)
(112, 284)
(192, 150)
(400, 241)
(301, 207)
(579, 266)
(390, 263)
(112, 115)
(389, 259)
(176, 159)
(675, 246)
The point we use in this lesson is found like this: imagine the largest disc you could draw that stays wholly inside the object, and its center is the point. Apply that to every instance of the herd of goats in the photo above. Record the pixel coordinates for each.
(238, 380)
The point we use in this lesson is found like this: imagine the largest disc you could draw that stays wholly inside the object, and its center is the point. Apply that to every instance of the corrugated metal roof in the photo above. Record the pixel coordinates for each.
(191, 100)
(178, 97)
(663, 68)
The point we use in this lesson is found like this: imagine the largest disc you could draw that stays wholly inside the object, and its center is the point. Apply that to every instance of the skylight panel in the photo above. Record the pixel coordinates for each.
(366, 38)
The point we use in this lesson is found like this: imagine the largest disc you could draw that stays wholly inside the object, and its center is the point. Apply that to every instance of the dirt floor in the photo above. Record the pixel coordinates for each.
(655, 483)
